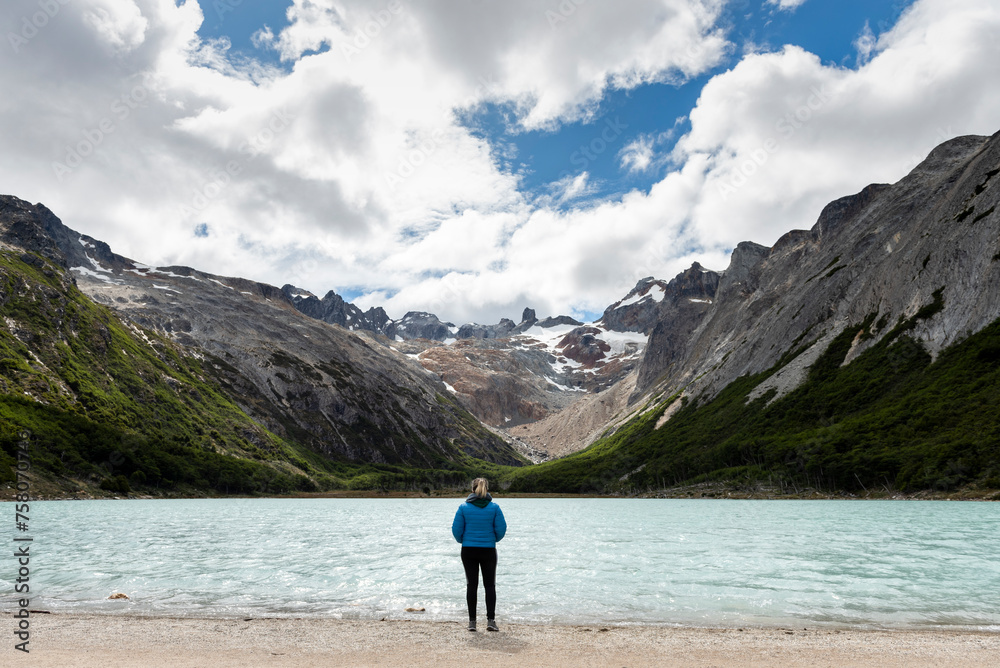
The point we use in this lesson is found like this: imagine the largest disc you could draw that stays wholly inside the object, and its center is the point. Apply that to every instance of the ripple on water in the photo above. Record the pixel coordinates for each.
(703, 562)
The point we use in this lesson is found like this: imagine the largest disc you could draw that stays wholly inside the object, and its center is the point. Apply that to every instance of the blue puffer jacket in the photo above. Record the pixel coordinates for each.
(476, 526)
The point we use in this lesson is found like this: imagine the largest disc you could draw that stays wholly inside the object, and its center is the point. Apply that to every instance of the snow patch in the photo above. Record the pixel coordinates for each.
(621, 341)
(656, 293)
(172, 274)
(563, 387)
(94, 274)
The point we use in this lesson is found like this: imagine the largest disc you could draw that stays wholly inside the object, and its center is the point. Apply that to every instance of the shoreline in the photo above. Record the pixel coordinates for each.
(48, 490)
(986, 497)
(110, 640)
(401, 616)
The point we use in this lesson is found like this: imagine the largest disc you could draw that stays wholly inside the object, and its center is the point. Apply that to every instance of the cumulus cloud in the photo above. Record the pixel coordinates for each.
(351, 170)
(552, 60)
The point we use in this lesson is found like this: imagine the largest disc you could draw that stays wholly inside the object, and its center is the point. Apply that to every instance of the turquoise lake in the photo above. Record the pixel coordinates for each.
(891, 564)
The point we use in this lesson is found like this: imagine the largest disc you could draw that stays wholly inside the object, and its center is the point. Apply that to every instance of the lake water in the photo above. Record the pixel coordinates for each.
(898, 564)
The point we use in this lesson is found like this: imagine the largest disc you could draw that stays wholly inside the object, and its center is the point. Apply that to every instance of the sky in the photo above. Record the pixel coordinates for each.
(474, 158)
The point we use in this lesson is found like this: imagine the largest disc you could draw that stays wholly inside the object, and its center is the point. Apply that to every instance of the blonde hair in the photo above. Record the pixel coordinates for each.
(481, 487)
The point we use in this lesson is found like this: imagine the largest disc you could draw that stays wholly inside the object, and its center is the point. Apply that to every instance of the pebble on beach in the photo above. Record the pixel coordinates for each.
(118, 595)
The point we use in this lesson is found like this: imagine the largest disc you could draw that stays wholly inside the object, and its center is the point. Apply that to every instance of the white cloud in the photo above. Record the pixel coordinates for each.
(120, 24)
(645, 151)
(637, 156)
(787, 5)
(263, 38)
(865, 44)
(351, 170)
(552, 71)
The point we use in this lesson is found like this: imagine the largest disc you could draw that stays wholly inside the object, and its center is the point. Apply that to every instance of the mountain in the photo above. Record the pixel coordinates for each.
(861, 353)
(220, 365)
(533, 370)
(510, 374)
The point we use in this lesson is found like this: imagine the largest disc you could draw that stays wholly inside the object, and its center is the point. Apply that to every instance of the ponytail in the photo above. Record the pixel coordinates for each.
(481, 488)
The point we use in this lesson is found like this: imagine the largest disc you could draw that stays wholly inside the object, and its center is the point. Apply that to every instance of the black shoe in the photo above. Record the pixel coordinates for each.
(491, 625)
(472, 625)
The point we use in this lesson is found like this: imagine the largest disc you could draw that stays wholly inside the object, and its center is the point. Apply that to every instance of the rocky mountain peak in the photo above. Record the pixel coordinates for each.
(642, 307)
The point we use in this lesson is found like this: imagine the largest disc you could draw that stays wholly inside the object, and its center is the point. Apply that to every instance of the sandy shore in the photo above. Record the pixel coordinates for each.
(70, 641)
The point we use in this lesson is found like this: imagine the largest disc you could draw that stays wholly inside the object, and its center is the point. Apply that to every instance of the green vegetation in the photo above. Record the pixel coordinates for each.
(891, 419)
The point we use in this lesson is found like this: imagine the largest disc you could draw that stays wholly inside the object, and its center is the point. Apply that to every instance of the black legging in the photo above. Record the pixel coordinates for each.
(474, 558)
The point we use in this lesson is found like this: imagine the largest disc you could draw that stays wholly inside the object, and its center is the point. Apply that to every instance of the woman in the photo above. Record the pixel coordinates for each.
(478, 526)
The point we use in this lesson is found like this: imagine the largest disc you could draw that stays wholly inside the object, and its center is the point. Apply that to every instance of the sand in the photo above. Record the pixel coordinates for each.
(70, 640)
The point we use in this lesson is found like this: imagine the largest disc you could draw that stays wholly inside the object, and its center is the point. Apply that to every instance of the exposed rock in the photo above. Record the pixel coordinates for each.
(583, 345)
(687, 298)
(638, 311)
(580, 423)
(420, 325)
(500, 383)
(476, 331)
(334, 310)
(549, 322)
(883, 252)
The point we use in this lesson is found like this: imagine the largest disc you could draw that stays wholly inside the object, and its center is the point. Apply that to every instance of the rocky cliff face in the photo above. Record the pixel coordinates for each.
(334, 310)
(929, 241)
(341, 393)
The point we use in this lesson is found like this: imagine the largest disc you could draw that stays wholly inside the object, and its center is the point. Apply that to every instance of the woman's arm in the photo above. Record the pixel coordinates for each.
(458, 525)
(499, 525)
